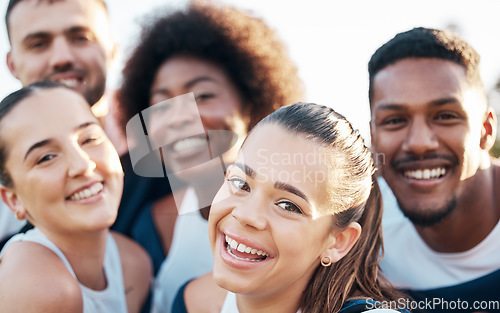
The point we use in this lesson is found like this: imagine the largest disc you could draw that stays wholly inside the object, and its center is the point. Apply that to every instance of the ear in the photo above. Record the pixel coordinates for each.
(342, 242)
(372, 141)
(11, 64)
(489, 129)
(113, 54)
(10, 198)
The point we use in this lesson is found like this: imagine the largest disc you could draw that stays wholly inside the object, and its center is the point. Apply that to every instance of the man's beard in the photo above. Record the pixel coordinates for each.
(424, 218)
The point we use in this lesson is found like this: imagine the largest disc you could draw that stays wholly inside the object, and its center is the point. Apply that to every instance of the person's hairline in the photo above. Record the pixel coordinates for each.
(472, 83)
(9, 11)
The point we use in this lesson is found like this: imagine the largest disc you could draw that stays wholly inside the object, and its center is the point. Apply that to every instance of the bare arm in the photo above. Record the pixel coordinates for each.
(33, 279)
(137, 271)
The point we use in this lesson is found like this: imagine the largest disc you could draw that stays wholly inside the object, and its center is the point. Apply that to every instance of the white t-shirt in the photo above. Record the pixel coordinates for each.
(410, 264)
(190, 255)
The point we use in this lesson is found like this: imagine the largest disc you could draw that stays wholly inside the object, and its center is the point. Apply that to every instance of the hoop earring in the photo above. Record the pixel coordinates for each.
(19, 217)
(326, 263)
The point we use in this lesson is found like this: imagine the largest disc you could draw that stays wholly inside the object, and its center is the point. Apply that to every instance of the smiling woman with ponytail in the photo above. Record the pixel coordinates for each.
(284, 242)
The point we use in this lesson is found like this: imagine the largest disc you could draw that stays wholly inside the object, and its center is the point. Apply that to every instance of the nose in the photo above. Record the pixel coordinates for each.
(79, 162)
(62, 57)
(251, 212)
(421, 138)
(183, 112)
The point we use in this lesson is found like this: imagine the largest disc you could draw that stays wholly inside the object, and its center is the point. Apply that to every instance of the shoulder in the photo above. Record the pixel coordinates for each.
(36, 273)
(203, 295)
(136, 268)
(131, 253)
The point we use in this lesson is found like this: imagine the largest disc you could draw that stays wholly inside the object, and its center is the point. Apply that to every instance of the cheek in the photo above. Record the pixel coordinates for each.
(220, 115)
(220, 209)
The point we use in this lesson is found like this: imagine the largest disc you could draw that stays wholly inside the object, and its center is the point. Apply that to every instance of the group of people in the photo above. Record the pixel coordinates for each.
(232, 194)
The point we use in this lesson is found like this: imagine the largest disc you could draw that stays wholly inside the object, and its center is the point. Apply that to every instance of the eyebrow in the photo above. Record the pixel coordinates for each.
(278, 185)
(45, 142)
(400, 107)
(250, 172)
(291, 189)
(36, 35)
(44, 34)
(189, 84)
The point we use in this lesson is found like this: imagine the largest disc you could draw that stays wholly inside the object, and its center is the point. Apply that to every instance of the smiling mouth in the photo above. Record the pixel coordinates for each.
(425, 174)
(69, 82)
(189, 144)
(88, 192)
(244, 253)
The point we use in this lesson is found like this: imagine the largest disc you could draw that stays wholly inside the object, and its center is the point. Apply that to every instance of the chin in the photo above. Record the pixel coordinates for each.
(430, 214)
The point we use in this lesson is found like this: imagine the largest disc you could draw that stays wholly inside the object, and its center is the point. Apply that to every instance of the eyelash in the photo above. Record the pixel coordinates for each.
(234, 180)
(45, 158)
(204, 96)
(295, 208)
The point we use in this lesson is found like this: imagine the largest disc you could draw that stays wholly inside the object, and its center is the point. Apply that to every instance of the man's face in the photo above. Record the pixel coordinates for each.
(66, 41)
(426, 128)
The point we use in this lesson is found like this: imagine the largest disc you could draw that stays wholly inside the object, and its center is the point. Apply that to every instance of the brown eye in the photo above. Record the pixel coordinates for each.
(239, 184)
(289, 206)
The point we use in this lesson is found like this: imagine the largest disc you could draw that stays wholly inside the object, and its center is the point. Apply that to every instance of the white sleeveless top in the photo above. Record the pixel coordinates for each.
(230, 306)
(111, 299)
(190, 255)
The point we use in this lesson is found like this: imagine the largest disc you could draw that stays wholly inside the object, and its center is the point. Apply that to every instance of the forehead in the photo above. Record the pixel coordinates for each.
(179, 69)
(45, 114)
(419, 80)
(275, 154)
(32, 16)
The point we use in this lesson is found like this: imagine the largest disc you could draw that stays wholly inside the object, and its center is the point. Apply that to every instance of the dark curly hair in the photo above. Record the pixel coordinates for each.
(426, 43)
(244, 46)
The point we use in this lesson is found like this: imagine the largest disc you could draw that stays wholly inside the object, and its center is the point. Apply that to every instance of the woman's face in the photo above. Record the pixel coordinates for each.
(269, 224)
(66, 174)
(181, 125)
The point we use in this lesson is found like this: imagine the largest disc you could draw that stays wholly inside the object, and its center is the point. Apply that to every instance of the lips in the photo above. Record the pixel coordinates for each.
(70, 82)
(69, 79)
(425, 174)
(88, 192)
(189, 144)
(243, 252)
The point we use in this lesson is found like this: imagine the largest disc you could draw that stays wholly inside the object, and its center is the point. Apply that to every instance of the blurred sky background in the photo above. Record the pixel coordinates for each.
(330, 41)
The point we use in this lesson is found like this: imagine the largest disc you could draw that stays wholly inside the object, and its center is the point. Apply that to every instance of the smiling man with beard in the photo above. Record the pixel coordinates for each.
(434, 129)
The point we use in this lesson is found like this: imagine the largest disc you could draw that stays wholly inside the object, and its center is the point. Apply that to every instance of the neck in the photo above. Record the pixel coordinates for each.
(285, 300)
(85, 253)
(206, 188)
(248, 304)
(476, 214)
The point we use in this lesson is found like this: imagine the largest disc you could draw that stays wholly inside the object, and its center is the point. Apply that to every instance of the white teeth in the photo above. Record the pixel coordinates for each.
(243, 248)
(189, 144)
(87, 193)
(70, 82)
(426, 173)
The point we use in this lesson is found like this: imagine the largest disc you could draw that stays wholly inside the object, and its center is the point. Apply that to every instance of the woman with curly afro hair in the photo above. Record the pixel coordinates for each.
(200, 78)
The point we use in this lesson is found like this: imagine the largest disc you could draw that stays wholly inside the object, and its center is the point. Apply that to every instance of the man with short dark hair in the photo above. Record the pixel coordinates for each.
(68, 41)
(432, 131)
